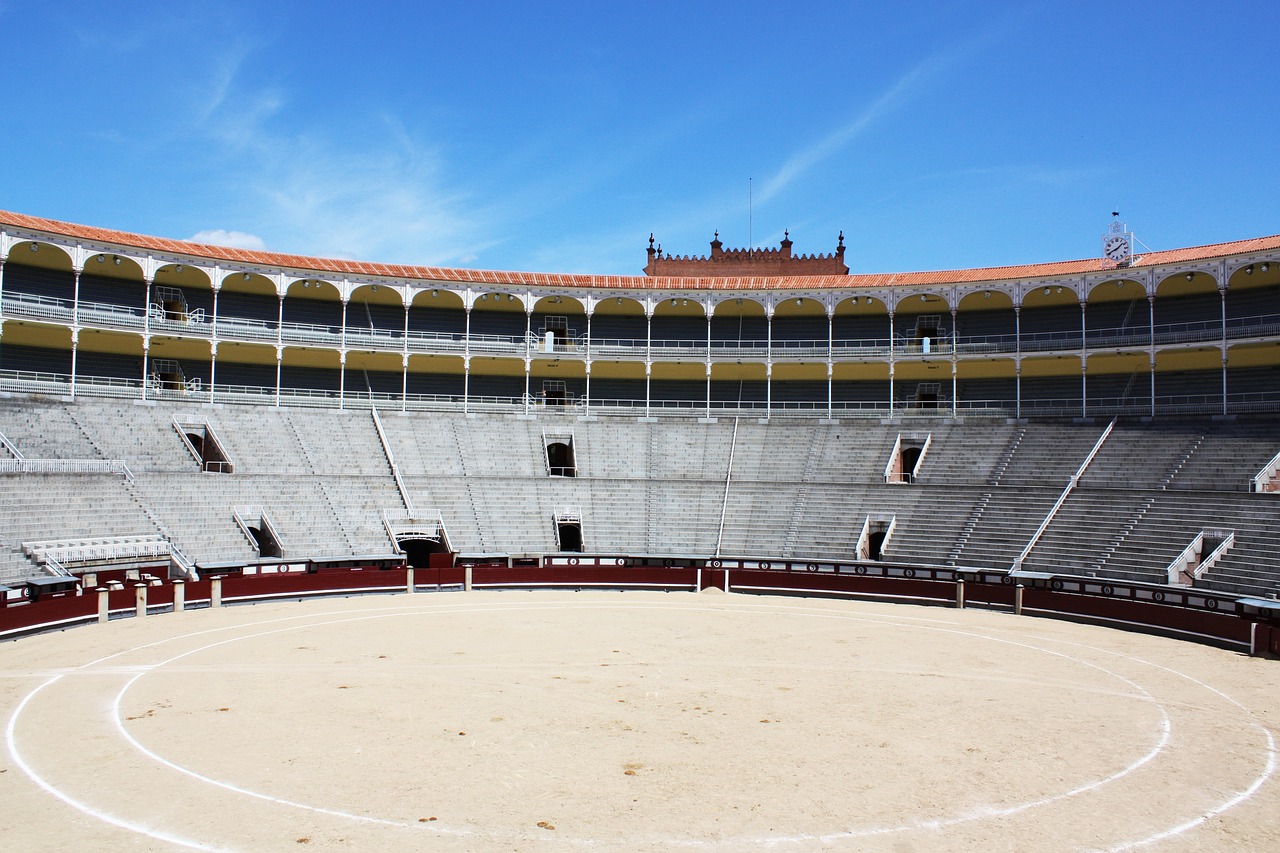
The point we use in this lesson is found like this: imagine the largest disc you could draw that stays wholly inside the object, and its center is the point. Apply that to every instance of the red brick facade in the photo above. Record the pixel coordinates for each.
(746, 262)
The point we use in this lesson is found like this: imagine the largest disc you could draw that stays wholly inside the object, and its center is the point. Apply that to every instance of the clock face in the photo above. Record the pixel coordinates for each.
(1116, 248)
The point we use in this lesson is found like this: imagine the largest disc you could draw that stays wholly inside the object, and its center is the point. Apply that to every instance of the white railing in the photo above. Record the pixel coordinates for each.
(427, 524)
(105, 550)
(1062, 498)
(728, 478)
(10, 446)
(56, 569)
(66, 466)
(391, 460)
(1192, 564)
(1265, 480)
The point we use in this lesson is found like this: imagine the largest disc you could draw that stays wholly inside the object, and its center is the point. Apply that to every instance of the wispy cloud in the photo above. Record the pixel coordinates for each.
(374, 193)
(230, 239)
(898, 93)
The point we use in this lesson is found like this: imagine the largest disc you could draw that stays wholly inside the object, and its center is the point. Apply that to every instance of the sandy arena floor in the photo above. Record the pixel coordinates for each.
(631, 721)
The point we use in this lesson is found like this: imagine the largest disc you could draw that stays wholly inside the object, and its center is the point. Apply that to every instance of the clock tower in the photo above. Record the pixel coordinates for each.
(1117, 242)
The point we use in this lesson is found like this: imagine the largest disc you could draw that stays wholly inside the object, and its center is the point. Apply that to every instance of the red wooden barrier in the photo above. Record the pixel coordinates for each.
(1221, 625)
(303, 583)
(585, 575)
(1126, 605)
(48, 613)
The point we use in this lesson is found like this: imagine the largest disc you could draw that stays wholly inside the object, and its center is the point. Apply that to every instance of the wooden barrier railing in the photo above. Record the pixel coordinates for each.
(1185, 612)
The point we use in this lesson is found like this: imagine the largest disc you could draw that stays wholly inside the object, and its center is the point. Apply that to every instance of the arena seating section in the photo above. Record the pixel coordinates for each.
(784, 488)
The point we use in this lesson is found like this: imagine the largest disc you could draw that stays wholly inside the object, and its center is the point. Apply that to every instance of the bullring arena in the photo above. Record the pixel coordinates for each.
(299, 553)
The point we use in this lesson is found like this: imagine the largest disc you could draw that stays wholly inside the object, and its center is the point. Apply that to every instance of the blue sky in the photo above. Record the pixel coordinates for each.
(557, 136)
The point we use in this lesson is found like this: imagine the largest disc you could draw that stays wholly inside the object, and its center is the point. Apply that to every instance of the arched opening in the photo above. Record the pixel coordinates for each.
(559, 323)
(267, 544)
(418, 551)
(910, 458)
(875, 541)
(874, 536)
(560, 457)
(570, 535)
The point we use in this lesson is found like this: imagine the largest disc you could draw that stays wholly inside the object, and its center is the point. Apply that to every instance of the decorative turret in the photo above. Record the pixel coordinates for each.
(746, 262)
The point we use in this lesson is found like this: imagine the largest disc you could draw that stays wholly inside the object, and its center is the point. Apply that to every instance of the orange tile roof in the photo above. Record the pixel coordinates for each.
(609, 282)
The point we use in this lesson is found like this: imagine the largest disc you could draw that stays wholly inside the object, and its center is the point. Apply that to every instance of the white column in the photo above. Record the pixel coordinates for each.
(830, 357)
(213, 345)
(466, 362)
(146, 335)
(1084, 363)
(75, 299)
(648, 356)
(342, 378)
(1222, 290)
(708, 313)
(213, 368)
(1017, 387)
(953, 362)
(75, 341)
(528, 354)
(1017, 359)
(404, 382)
(648, 371)
(1151, 313)
(891, 362)
(404, 360)
(768, 365)
(279, 346)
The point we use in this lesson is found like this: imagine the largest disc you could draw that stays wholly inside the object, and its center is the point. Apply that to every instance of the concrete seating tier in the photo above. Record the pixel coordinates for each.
(786, 488)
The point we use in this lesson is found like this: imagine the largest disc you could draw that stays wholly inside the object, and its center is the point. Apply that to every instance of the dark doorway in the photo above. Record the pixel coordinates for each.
(418, 551)
(560, 458)
(910, 458)
(555, 392)
(570, 536)
(267, 544)
(874, 543)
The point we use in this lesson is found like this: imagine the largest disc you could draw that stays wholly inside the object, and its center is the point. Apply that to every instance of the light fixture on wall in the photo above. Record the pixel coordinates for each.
(35, 247)
(102, 259)
(374, 288)
(799, 301)
(1047, 291)
(619, 300)
(1266, 267)
(986, 294)
(435, 294)
(177, 269)
(869, 300)
(686, 302)
(1190, 276)
(511, 298)
(1248, 270)
(246, 276)
(924, 298)
(674, 302)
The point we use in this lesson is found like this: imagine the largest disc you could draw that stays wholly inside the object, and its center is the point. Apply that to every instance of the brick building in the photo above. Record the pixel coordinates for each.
(746, 262)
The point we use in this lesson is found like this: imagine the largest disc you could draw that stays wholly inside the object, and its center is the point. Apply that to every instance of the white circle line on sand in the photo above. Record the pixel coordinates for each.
(980, 813)
(1270, 751)
(85, 808)
(903, 620)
